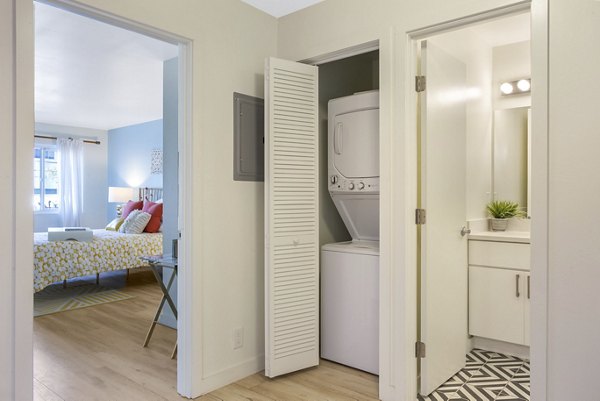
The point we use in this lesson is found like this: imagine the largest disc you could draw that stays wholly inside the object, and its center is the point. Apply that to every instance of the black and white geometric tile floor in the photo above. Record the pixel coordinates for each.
(487, 376)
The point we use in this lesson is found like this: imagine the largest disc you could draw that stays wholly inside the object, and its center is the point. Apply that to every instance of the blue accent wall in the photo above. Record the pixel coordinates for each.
(129, 157)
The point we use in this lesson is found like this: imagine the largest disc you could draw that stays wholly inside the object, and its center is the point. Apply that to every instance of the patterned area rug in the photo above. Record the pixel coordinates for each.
(55, 298)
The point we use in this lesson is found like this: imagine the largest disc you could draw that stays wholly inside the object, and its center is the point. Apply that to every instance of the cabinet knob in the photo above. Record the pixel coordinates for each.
(518, 277)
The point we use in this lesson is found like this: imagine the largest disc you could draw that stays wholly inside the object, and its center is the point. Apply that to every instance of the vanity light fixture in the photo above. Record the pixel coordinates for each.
(516, 87)
(524, 85)
(507, 88)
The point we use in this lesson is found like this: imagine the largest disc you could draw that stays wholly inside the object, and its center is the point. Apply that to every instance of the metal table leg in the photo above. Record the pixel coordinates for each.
(166, 297)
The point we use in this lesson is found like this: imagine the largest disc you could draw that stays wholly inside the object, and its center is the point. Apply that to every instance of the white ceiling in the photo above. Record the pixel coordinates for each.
(279, 8)
(94, 75)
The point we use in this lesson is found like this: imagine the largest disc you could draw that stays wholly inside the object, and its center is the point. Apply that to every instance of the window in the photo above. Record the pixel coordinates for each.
(45, 178)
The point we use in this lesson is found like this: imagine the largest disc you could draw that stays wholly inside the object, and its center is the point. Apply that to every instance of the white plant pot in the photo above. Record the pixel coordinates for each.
(498, 224)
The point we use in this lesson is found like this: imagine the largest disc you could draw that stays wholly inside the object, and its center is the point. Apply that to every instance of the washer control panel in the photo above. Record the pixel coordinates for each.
(341, 184)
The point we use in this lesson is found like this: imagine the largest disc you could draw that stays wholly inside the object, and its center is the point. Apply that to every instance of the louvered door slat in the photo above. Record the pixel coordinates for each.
(291, 217)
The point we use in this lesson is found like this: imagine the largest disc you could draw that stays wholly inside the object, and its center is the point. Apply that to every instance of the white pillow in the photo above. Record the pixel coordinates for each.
(135, 222)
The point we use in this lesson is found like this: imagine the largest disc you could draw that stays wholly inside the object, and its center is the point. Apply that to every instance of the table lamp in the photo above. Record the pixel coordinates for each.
(120, 195)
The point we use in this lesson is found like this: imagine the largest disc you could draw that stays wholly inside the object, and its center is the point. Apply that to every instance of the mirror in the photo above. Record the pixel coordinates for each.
(511, 156)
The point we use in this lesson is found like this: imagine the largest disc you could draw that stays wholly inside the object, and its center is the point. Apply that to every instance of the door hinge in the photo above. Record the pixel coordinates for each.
(420, 83)
(420, 216)
(419, 349)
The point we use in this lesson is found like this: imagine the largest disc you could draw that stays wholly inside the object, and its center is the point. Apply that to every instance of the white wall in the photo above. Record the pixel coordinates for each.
(7, 120)
(574, 196)
(230, 43)
(510, 63)
(95, 187)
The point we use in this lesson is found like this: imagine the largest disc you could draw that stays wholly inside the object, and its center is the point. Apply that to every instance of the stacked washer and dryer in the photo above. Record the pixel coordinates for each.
(350, 270)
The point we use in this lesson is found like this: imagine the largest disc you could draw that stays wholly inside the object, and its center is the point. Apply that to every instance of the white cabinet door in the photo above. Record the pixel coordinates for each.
(291, 217)
(496, 303)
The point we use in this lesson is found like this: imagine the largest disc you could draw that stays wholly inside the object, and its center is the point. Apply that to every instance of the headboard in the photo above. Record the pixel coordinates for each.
(150, 194)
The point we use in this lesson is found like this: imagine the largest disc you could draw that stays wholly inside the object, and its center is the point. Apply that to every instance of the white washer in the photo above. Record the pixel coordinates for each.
(350, 304)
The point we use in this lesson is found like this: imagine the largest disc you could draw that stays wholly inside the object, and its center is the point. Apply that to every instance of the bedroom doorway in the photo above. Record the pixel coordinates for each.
(112, 135)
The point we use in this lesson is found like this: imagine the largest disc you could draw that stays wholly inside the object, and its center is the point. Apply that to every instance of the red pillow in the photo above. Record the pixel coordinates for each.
(156, 211)
(131, 206)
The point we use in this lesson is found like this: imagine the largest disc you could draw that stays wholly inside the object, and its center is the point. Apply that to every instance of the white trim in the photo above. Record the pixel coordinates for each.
(343, 53)
(189, 364)
(232, 374)
(97, 14)
(411, 187)
(189, 361)
(539, 41)
(391, 324)
(540, 199)
(23, 185)
(459, 23)
(501, 347)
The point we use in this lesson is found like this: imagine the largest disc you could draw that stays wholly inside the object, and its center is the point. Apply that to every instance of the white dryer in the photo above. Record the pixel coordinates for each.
(350, 270)
(353, 162)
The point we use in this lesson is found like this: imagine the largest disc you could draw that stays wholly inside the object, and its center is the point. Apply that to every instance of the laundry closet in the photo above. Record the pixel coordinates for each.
(349, 176)
(322, 213)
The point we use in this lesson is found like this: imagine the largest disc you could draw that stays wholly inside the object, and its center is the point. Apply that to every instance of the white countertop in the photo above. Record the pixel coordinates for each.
(501, 236)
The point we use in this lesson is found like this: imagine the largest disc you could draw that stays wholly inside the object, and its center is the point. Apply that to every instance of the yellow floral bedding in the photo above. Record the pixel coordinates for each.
(60, 260)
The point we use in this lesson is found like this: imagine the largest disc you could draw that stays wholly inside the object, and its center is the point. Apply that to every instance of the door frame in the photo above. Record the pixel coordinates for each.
(187, 340)
(539, 173)
(388, 321)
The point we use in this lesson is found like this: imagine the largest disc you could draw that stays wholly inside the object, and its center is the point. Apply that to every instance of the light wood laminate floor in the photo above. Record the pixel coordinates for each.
(96, 353)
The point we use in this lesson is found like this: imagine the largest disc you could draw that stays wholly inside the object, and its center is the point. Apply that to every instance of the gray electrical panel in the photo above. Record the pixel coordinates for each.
(248, 138)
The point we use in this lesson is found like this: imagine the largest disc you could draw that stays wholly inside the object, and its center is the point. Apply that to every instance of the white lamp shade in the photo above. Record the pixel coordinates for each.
(120, 194)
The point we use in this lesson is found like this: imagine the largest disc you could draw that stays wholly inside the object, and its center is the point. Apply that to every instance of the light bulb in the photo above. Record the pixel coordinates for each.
(507, 88)
(524, 85)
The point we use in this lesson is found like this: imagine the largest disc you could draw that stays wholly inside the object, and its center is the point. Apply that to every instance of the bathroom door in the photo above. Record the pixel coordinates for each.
(291, 217)
(443, 293)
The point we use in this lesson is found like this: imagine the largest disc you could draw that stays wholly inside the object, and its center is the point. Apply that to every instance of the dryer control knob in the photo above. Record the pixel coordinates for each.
(361, 185)
(334, 179)
(351, 185)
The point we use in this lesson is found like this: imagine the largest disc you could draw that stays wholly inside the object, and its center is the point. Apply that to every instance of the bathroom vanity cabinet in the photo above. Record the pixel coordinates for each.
(499, 287)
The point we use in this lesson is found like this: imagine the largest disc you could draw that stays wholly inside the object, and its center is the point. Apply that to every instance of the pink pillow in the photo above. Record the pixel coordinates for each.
(156, 211)
(130, 206)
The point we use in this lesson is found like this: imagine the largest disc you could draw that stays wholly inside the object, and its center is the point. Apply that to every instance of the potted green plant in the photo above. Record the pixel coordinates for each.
(502, 210)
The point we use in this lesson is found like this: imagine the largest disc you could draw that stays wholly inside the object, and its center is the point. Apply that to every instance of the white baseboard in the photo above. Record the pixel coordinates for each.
(231, 375)
(520, 351)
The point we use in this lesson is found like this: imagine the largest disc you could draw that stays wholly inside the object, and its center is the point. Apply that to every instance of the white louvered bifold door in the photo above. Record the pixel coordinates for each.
(291, 217)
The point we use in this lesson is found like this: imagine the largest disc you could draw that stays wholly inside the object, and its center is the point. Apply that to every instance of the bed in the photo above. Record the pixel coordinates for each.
(109, 250)
(55, 261)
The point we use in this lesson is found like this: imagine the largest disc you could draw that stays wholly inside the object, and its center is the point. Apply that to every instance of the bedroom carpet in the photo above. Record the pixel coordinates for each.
(55, 298)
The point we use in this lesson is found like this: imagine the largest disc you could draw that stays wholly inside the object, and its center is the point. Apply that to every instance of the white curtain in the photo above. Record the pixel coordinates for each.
(70, 156)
